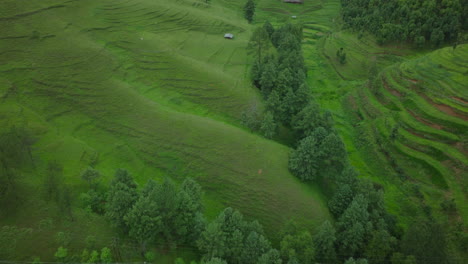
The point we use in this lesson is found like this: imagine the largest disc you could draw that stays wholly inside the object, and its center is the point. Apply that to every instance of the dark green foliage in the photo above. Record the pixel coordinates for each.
(270, 257)
(269, 28)
(231, 238)
(425, 239)
(308, 119)
(61, 254)
(215, 261)
(120, 199)
(90, 175)
(269, 126)
(303, 161)
(380, 246)
(259, 41)
(320, 154)
(398, 258)
(249, 10)
(268, 78)
(341, 55)
(324, 243)
(93, 201)
(356, 261)
(163, 212)
(342, 198)
(354, 227)
(143, 220)
(413, 20)
(297, 245)
(188, 222)
(106, 256)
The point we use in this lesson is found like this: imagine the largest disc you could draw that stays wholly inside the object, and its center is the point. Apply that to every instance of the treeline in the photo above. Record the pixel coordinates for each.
(419, 22)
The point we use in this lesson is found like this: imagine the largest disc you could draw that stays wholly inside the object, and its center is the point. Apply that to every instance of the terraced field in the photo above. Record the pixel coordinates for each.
(418, 111)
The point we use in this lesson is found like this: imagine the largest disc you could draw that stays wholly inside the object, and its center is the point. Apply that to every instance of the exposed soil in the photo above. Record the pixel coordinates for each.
(392, 91)
(424, 121)
(460, 100)
(445, 108)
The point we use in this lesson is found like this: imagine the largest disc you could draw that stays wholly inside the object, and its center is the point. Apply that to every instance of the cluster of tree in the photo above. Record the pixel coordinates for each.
(416, 21)
(88, 255)
(279, 72)
(231, 239)
(159, 213)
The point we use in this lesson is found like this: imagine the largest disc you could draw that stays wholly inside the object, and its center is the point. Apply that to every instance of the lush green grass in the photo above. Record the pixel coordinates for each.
(150, 86)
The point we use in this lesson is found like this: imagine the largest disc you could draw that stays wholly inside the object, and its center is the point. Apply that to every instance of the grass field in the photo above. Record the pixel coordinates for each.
(150, 86)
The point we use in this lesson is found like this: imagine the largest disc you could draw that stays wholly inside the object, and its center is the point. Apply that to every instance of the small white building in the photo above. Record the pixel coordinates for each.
(228, 36)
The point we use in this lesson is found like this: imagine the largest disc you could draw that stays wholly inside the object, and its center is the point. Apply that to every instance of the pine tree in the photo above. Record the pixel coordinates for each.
(249, 10)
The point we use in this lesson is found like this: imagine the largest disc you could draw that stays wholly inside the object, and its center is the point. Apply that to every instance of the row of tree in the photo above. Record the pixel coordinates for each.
(364, 231)
(416, 21)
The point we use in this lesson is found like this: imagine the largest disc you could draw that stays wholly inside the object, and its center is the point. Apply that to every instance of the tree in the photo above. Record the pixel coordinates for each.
(259, 41)
(303, 160)
(268, 78)
(342, 198)
(307, 120)
(93, 257)
(215, 261)
(380, 246)
(269, 28)
(120, 199)
(324, 244)
(254, 247)
(354, 227)
(426, 241)
(269, 126)
(249, 10)
(231, 238)
(212, 241)
(357, 261)
(61, 254)
(106, 256)
(270, 257)
(316, 155)
(144, 220)
(298, 245)
(90, 175)
(341, 55)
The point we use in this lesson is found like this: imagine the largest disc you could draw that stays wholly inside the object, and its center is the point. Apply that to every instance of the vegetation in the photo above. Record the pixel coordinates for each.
(326, 132)
(416, 21)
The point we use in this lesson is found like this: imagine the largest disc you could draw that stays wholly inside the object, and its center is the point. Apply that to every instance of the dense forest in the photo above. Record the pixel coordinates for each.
(421, 22)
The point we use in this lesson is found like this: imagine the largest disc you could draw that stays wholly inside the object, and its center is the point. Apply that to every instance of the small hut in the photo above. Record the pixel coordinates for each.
(228, 36)
(294, 1)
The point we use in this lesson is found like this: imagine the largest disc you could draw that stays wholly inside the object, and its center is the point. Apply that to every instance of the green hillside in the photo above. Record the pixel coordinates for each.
(153, 87)
(149, 86)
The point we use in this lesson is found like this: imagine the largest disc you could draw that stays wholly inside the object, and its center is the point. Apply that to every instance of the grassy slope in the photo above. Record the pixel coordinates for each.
(145, 85)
